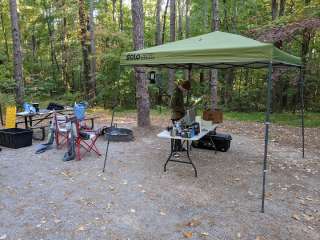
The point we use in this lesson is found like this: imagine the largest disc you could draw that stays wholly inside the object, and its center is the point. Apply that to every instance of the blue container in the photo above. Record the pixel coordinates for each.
(80, 111)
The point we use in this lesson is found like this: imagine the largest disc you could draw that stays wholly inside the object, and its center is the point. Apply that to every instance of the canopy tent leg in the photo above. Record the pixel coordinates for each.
(266, 135)
(301, 84)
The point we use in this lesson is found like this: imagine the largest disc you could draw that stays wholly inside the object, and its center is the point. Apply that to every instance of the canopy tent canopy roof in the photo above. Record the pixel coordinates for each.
(212, 50)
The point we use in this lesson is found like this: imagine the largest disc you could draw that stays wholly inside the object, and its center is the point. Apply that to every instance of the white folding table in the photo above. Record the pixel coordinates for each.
(188, 141)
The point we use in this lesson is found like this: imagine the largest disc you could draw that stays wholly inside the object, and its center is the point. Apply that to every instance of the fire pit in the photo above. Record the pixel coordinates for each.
(115, 134)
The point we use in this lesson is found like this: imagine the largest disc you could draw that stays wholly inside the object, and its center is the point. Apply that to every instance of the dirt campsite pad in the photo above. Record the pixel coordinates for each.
(44, 198)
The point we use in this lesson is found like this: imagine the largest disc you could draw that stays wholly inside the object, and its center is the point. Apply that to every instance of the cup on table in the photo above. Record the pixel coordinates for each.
(36, 106)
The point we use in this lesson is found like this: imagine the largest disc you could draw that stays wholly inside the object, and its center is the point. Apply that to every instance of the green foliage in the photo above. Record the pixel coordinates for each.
(311, 119)
(42, 32)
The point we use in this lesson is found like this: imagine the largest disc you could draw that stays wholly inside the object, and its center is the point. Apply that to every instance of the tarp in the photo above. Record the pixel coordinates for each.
(216, 49)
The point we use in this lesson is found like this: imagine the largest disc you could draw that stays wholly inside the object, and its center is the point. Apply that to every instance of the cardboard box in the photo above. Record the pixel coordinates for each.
(214, 116)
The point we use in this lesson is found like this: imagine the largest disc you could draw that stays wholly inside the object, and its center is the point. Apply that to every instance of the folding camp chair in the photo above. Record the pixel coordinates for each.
(62, 131)
(85, 139)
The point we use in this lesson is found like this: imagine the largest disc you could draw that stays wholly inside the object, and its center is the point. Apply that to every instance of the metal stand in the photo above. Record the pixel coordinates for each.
(105, 158)
(301, 83)
(266, 138)
(174, 150)
(1, 117)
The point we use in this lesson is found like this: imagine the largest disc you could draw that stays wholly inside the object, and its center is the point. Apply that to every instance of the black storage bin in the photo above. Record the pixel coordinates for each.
(15, 137)
(214, 141)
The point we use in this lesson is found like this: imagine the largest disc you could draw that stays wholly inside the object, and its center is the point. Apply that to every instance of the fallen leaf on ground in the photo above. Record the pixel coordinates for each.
(187, 234)
(307, 217)
(238, 235)
(162, 213)
(81, 228)
(296, 217)
(193, 223)
(309, 198)
(132, 210)
(204, 234)
(57, 220)
(260, 238)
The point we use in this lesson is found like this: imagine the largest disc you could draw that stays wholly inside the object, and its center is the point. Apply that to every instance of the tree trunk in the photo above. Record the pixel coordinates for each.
(51, 30)
(274, 9)
(5, 37)
(121, 15)
(180, 10)
(282, 7)
(143, 104)
(92, 83)
(187, 18)
(114, 10)
(84, 48)
(164, 21)
(64, 55)
(215, 24)
(234, 16)
(225, 16)
(158, 23)
(17, 55)
(172, 39)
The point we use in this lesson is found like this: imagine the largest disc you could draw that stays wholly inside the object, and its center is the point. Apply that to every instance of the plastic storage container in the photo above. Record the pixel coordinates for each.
(15, 137)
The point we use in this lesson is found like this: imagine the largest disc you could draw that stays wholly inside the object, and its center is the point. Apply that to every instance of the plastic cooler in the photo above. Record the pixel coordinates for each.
(15, 137)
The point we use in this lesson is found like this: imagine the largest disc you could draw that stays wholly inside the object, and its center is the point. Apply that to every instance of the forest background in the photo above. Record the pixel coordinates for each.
(70, 51)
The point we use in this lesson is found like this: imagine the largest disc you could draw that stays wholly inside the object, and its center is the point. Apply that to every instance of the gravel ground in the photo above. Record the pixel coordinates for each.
(42, 197)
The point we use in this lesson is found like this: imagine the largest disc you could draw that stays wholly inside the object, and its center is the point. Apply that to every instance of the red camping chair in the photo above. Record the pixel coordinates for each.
(85, 139)
(61, 131)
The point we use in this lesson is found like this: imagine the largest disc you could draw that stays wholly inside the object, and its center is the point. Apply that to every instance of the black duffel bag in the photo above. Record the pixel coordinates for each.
(55, 106)
(214, 141)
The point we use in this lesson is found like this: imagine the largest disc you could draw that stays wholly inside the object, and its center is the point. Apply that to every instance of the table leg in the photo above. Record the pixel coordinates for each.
(174, 150)
(30, 121)
(169, 158)
(26, 122)
(194, 167)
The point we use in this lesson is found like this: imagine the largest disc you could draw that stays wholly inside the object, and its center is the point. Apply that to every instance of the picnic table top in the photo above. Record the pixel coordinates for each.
(43, 112)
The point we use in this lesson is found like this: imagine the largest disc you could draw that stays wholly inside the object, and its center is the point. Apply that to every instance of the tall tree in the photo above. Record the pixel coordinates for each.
(187, 18)
(282, 7)
(121, 15)
(274, 9)
(172, 39)
(164, 21)
(84, 48)
(17, 55)
(215, 24)
(158, 22)
(180, 11)
(4, 31)
(114, 10)
(92, 83)
(64, 54)
(187, 23)
(143, 104)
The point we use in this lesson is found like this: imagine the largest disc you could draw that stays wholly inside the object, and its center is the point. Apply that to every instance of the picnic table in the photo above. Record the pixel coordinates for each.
(40, 116)
(33, 120)
(173, 150)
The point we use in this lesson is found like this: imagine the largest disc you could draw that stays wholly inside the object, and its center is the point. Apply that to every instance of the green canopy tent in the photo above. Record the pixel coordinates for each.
(220, 50)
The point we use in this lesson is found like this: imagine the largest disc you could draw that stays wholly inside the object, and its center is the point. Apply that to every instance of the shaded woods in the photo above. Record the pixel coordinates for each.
(70, 50)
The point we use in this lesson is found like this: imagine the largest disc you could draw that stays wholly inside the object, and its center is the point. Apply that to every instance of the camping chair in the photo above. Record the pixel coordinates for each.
(86, 139)
(61, 130)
